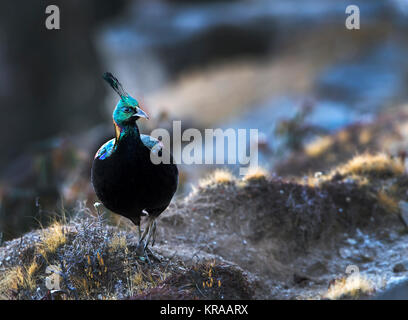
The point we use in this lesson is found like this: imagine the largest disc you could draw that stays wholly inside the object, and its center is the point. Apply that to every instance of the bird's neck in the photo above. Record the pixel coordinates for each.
(128, 130)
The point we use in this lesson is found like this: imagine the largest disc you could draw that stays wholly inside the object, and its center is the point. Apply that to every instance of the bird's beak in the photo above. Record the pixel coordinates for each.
(141, 114)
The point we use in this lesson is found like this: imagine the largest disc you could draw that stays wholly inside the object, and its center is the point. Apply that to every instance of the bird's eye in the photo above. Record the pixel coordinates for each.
(127, 109)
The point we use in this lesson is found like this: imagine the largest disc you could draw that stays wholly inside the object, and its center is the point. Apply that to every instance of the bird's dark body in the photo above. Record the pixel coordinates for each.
(128, 182)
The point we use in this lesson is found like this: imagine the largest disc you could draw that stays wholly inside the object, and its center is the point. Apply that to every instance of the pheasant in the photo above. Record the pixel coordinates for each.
(123, 175)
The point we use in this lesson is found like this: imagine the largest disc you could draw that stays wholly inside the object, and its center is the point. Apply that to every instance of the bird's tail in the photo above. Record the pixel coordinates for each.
(115, 84)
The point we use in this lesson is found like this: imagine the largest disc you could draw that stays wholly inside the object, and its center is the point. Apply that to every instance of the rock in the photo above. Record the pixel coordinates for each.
(399, 267)
(301, 279)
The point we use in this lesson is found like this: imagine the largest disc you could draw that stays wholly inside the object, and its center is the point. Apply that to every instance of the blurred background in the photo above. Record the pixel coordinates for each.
(288, 68)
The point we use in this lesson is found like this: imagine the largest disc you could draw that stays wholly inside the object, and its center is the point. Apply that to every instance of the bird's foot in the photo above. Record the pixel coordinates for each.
(140, 251)
(148, 252)
(149, 235)
(144, 252)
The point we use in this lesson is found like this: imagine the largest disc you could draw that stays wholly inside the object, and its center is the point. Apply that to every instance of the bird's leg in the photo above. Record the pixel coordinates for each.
(154, 233)
(146, 231)
(149, 235)
(136, 221)
(139, 232)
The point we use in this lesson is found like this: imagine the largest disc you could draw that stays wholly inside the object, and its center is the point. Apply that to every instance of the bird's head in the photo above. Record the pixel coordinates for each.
(127, 110)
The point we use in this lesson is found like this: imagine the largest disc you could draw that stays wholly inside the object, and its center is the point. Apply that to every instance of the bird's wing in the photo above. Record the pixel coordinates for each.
(152, 143)
(106, 150)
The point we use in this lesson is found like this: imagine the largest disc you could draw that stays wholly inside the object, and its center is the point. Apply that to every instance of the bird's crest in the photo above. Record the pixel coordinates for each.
(115, 84)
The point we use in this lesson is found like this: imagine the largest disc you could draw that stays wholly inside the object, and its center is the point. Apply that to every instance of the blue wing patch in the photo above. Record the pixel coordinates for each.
(152, 143)
(106, 150)
(109, 147)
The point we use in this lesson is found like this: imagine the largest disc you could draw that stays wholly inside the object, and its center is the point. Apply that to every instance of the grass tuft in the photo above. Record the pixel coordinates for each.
(379, 165)
(256, 173)
(17, 278)
(219, 176)
(10, 281)
(53, 238)
(117, 243)
(352, 286)
(319, 146)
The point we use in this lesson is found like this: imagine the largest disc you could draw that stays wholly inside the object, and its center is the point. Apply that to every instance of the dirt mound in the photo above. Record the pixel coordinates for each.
(95, 261)
(265, 225)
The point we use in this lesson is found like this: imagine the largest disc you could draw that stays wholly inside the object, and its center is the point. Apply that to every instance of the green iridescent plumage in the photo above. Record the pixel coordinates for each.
(126, 112)
(127, 108)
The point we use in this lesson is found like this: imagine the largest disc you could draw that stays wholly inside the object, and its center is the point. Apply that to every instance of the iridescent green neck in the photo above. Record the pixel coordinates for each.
(126, 130)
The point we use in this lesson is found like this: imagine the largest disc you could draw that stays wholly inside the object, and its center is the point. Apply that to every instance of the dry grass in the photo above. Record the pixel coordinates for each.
(387, 202)
(10, 281)
(33, 268)
(364, 169)
(379, 165)
(53, 238)
(352, 286)
(256, 174)
(17, 278)
(94, 261)
(140, 281)
(118, 243)
(219, 176)
(365, 136)
(100, 262)
(222, 176)
(24, 277)
(319, 146)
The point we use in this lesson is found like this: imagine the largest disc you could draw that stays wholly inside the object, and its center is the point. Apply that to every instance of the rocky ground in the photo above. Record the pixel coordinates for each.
(336, 233)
